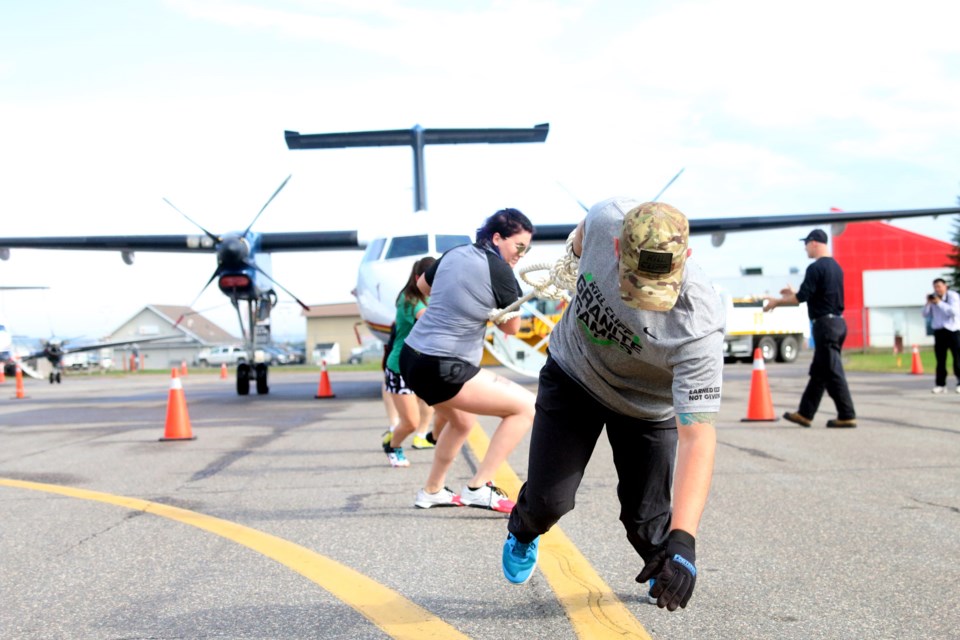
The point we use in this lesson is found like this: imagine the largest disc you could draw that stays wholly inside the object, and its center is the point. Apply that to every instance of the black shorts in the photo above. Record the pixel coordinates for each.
(395, 383)
(434, 379)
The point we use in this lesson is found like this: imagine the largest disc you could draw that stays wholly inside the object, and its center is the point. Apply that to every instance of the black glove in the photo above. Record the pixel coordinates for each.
(674, 571)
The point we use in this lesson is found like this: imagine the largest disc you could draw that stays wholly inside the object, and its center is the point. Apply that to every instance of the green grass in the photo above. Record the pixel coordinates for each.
(886, 362)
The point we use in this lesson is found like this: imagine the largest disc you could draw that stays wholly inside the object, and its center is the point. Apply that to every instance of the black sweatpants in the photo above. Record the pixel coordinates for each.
(826, 370)
(567, 424)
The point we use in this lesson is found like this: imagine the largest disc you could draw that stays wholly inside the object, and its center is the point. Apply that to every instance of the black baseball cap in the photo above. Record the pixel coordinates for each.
(818, 235)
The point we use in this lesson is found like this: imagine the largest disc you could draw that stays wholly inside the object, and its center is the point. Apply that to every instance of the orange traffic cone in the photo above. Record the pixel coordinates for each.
(3, 373)
(20, 393)
(916, 368)
(183, 367)
(178, 420)
(324, 390)
(760, 408)
(223, 371)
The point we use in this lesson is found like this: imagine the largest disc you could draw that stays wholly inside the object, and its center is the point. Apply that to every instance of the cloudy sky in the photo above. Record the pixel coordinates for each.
(108, 107)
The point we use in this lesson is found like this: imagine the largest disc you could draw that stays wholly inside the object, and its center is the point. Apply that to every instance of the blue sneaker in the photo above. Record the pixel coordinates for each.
(649, 598)
(519, 559)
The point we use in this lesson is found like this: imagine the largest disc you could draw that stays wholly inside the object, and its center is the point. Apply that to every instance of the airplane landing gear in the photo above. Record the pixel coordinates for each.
(246, 373)
(262, 388)
(54, 377)
(243, 379)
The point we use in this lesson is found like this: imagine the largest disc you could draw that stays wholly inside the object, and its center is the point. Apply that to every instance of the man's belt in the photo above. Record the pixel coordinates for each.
(827, 315)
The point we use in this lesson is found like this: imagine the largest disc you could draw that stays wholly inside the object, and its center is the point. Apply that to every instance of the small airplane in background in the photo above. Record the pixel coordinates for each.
(54, 350)
(243, 263)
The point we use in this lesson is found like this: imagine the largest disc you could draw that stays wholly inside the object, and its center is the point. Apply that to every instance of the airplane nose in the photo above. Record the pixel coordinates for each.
(233, 252)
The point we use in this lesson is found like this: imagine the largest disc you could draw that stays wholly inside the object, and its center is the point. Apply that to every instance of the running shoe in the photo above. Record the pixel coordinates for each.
(487, 497)
(519, 559)
(396, 457)
(648, 598)
(420, 442)
(939, 389)
(442, 498)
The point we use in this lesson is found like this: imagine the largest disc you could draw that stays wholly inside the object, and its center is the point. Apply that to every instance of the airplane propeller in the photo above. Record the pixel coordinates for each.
(269, 200)
(210, 235)
(234, 250)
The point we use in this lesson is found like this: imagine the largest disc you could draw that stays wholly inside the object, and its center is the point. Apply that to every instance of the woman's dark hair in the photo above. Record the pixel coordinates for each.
(506, 222)
(411, 292)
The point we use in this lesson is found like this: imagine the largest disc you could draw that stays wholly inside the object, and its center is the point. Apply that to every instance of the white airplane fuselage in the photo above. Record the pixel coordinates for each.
(385, 269)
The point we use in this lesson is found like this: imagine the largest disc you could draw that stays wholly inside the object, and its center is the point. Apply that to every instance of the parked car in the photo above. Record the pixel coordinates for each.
(223, 354)
(297, 355)
(274, 355)
(369, 352)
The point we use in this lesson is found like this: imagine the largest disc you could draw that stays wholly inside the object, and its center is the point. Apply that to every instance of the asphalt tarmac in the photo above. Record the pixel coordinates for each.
(282, 519)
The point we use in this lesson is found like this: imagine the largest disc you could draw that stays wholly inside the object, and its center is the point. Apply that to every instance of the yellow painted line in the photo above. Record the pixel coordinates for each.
(391, 612)
(594, 610)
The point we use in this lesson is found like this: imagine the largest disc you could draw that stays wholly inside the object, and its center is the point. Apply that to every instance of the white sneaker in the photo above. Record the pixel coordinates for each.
(958, 388)
(442, 498)
(396, 457)
(938, 389)
(487, 497)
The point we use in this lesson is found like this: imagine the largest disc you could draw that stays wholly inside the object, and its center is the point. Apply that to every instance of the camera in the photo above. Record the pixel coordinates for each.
(932, 297)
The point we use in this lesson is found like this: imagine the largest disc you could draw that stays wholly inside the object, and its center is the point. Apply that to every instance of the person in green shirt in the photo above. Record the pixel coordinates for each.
(411, 303)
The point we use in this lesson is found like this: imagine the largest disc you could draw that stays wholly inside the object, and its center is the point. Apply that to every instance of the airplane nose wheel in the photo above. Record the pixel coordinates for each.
(54, 377)
(262, 388)
(246, 373)
(243, 379)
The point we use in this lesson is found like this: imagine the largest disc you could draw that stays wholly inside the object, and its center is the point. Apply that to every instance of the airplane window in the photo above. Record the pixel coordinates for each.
(374, 249)
(445, 243)
(403, 246)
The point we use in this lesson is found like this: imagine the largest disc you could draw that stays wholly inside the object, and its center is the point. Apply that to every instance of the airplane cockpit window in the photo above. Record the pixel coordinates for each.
(446, 242)
(403, 246)
(374, 249)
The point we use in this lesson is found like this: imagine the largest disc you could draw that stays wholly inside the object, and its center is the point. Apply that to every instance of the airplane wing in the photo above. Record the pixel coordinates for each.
(269, 242)
(720, 226)
(100, 345)
(120, 343)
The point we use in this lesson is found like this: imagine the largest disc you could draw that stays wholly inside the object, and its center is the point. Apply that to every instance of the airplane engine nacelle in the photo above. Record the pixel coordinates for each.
(4, 253)
(128, 257)
(238, 285)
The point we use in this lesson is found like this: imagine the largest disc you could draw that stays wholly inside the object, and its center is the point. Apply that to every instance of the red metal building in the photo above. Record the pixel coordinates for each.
(865, 246)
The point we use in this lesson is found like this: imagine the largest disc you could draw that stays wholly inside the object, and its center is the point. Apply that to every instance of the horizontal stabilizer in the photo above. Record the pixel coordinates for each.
(415, 136)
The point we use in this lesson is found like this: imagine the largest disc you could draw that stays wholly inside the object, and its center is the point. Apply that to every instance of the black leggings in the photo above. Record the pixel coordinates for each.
(567, 425)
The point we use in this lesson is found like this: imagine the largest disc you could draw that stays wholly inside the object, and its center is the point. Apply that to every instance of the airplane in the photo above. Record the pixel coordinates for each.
(242, 257)
(388, 258)
(55, 349)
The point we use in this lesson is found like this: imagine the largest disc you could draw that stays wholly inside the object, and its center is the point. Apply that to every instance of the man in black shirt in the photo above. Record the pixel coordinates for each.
(822, 290)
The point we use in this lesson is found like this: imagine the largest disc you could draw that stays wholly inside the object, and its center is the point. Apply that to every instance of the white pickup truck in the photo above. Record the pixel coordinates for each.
(779, 334)
(223, 354)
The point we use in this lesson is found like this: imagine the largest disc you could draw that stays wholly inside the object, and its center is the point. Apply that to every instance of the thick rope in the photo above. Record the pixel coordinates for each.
(560, 279)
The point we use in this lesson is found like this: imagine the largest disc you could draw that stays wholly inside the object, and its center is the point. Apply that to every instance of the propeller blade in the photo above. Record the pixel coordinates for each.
(212, 278)
(212, 236)
(657, 197)
(282, 288)
(569, 193)
(282, 185)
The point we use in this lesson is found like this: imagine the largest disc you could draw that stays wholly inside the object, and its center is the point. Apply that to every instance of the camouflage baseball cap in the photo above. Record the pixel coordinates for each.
(653, 250)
